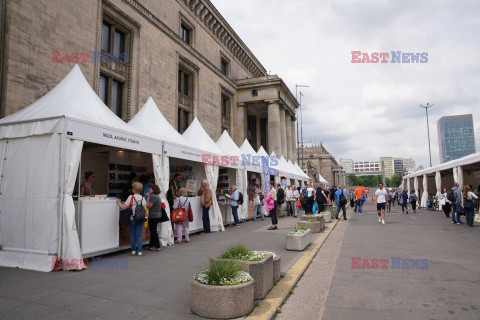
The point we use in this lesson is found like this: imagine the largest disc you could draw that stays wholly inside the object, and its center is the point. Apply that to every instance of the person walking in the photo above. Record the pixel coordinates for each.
(182, 201)
(360, 198)
(257, 202)
(310, 198)
(321, 198)
(413, 200)
(447, 204)
(135, 228)
(272, 206)
(288, 200)
(469, 204)
(455, 197)
(404, 200)
(341, 200)
(390, 200)
(296, 196)
(234, 196)
(156, 212)
(206, 201)
(332, 194)
(280, 200)
(381, 202)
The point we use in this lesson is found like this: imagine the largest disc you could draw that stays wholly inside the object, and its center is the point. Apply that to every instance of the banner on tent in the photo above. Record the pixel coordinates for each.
(266, 173)
(110, 137)
(180, 152)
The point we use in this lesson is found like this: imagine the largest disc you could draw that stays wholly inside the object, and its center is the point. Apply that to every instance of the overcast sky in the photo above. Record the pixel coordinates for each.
(365, 111)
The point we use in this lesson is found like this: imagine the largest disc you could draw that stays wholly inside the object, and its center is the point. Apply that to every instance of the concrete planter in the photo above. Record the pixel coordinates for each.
(327, 216)
(276, 269)
(221, 302)
(262, 272)
(330, 209)
(315, 227)
(299, 242)
(315, 217)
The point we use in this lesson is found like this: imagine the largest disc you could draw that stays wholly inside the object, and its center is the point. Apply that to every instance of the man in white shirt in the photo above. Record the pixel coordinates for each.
(381, 201)
(310, 195)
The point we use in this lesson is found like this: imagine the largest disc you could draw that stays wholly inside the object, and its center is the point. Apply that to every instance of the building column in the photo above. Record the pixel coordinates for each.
(293, 157)
(274, 130)
(241, 123)
(283, 133)
(259, 134)
(288, 125)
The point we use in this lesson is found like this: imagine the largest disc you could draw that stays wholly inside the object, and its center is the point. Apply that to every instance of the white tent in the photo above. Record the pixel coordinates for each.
(301, 173)
(196, 135)
(261, 152)
(45, 140)
(247, 150)
(229, 147)
(322, 180)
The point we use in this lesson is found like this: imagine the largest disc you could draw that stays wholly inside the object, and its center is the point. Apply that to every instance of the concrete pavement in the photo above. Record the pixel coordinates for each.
(448, 289)
(154, 286)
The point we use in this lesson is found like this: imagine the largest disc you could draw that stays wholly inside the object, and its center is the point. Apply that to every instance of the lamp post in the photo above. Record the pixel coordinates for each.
(298, 136)
(428, 105)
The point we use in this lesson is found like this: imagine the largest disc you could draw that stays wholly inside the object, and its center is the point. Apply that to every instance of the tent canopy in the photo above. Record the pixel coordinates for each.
(467, 160)
(262, 152)
(247, 149)
(197, 136)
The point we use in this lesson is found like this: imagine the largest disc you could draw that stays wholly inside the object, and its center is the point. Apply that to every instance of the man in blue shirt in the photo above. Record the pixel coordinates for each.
(341, 198)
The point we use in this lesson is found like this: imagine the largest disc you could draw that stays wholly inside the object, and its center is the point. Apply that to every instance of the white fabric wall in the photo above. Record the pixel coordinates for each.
(438, 183)
(408, 185)
(455, 174)
(162, 177)
(29, 221)
(425, 192)
(415, 186)
(70, 244)
(241, 183)
(216, 221)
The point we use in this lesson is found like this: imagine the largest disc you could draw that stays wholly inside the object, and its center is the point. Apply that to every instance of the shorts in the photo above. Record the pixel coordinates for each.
(381, 206)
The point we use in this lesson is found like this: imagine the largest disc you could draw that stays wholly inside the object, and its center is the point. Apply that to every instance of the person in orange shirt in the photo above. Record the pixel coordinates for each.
(360, 196)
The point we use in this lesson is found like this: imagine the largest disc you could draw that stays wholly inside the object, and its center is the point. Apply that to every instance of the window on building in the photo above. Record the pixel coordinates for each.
(225, 106)
(185, 99)
(224, 66)
(114, 74)
(185, 33)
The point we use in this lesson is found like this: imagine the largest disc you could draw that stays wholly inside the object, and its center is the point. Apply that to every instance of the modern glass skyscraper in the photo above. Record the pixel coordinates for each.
(456, 137)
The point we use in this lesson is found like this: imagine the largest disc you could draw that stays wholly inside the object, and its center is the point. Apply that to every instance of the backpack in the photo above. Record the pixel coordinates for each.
(280, 196)
(261, 196)
(140, 214)
(451, 196)
(342, 199)
(240, 198)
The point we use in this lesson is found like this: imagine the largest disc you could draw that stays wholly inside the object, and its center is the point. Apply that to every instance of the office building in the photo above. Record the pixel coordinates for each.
(456, 137)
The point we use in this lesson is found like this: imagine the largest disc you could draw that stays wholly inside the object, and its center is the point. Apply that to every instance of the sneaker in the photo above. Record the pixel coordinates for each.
(360, 213)
(271, 228)
(236, 226)
(139, 253)
(459, 223)
(135, 252)
(383, 221)
(453, 222)
(379, 219)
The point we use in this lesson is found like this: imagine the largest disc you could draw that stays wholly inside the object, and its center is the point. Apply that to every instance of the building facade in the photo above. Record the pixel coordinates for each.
(317, 160)
(182, 53)
(347, 165)
(363, 168)
(408, 166)
(456, 137)
(398, 166)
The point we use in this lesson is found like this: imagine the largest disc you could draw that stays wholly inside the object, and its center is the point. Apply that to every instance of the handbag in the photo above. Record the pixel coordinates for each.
(179, 215)
(164, 217)
(125, 216)
(363, 199)
(477, 218)
(299, 203)
(314, 208)
(467, 203)
(190, 214)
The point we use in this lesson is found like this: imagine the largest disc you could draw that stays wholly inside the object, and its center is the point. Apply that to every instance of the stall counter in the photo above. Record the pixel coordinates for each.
(97, 224)
(197, 223)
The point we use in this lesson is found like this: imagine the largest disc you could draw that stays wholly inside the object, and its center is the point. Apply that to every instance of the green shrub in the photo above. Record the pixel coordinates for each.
(223, 273)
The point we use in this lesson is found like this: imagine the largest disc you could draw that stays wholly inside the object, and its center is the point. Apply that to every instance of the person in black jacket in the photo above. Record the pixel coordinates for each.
(280, 200)
(332, 194)
(321, 198)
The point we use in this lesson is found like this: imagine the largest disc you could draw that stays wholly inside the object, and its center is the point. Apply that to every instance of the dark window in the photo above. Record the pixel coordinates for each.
(185, 99)
(185, 33)
(224, 66)
(103, 89)
(264, 133)
(225, 106)
(116, 103)
(183, 120)
(106, 37)
(118, 43)
(184, 79)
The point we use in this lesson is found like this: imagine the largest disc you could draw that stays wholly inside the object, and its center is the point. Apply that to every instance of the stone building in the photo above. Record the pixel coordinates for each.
(181, 52)
(318, 160)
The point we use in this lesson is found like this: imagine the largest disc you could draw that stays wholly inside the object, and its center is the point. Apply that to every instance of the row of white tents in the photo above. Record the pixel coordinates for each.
(431, 181)
(41, 147)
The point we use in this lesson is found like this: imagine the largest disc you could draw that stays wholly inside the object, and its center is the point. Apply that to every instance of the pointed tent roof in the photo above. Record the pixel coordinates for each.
(151, 122)
(300, 171)
(262, 152)
(247, 149)
(73, 98)
(197, 136)
(226, 144)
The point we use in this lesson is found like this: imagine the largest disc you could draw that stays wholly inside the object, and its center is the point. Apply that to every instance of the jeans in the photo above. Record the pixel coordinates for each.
(257, 208)
(289, 208)
(152, 226)
(469, 216)
(206, 219)
(293, 203)
(359, 206)
(389, 205)
(405, 207)
(454, 211)
(341, 206)
(235, 214)
(136, 236)
(309, 205)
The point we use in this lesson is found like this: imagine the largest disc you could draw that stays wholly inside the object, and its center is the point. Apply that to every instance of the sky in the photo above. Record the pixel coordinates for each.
(363, 111)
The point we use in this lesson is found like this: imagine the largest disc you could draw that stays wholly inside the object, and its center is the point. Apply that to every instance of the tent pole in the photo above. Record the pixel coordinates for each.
(61, 189)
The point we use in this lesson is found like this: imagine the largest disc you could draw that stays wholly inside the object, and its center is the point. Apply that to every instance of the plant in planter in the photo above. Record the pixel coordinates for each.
(311, 216)
(315, 226)
(276, 266)
(222, 291)
(257, 263)
(299, 238)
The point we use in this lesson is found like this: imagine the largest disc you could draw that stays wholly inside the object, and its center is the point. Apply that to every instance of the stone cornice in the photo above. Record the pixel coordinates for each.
(214, 22)
(175, 37)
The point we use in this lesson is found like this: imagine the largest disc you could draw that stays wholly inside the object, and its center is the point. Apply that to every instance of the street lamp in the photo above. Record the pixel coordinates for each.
(298, 137)
(428, 129)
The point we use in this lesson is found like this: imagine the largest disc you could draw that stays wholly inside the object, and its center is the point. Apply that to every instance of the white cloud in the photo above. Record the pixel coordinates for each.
(365, 111)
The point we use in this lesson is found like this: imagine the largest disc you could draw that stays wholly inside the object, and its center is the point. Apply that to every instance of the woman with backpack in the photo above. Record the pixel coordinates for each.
(469, 204)
(183, 202)
(413, 200)
(136, 227)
